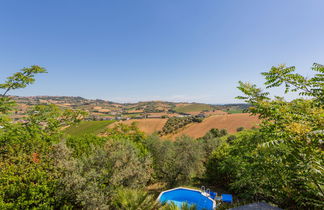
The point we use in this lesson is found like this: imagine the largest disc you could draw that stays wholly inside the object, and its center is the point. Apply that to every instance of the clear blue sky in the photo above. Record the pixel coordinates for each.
(177, 50)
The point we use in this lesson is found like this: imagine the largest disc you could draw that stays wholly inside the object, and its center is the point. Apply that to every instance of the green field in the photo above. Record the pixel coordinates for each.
(88, 127)
(193, 108)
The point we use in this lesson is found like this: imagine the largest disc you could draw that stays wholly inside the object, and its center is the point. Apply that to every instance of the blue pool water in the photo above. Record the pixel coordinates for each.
(182, 195)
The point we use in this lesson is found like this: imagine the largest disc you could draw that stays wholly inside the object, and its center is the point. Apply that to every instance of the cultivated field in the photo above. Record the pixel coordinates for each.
(148, 126)
(188, 108)
(88, 127)
(230, 122)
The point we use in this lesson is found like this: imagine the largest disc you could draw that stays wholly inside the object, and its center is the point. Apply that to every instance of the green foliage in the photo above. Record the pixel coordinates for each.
(282, 162)
(214, 133)
(88, 127)
(128, 199)
(26, 184)
(21, 79)
(16, 81)
(175, 123)
(231, 138)
(90, 182)
(128, 132)
(173, 206)
(240, 129)
(176, 162)
(83, 145)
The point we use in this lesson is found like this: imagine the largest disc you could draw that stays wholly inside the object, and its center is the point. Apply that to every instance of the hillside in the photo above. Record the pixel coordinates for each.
(230, 122)
(194, 107)
(107, 110)
(87, 127)
(148, 126)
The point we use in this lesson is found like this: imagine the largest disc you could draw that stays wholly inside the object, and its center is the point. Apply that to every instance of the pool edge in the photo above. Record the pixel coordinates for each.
(158, 198)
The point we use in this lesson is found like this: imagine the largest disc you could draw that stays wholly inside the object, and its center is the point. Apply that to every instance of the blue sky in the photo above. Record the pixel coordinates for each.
(176, 50)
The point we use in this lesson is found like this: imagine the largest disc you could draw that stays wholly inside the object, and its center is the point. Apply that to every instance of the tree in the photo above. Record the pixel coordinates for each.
(27, 176)
(240, 129)
(296, 126)
(91, 181)
(176, 162)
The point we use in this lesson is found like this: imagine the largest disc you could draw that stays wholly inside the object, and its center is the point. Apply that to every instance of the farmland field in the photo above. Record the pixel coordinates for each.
(193, 108)
(234, 111)
(230, 122)
(148, 126)
(88, 127)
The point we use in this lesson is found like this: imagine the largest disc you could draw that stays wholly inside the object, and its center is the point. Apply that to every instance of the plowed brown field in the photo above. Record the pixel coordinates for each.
(230, 122)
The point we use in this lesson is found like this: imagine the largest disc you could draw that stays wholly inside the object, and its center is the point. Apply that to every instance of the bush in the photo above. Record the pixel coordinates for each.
(89, 182)
(126, 199)
(240, 129)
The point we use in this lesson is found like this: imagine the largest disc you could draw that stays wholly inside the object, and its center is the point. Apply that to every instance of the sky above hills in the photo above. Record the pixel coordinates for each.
(174, 50)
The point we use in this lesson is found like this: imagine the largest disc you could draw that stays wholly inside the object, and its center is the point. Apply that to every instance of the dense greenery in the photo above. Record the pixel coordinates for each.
(281, 162)
(175, 123)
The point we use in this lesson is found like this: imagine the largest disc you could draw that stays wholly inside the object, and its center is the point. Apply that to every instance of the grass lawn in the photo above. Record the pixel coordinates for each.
(88, 127)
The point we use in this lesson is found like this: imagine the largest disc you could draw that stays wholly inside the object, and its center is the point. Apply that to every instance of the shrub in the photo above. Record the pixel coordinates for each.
(240, 129)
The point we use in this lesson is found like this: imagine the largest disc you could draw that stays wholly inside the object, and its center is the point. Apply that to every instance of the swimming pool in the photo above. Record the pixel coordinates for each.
(185, 195)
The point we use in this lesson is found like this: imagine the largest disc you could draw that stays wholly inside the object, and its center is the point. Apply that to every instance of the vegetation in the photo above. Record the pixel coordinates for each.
(176, 163)
(281, 162)
(88, 127)
(175, 123)
(240, 129)
(193, 108)
(234, 111)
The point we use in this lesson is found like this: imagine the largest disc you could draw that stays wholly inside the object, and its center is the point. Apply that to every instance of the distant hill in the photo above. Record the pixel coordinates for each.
(107, 110)
(230, 122)
(193, 107)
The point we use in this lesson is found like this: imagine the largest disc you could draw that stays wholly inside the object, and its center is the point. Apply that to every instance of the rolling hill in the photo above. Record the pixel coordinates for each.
(148, 126)
(194, 107)
(230, 122)
(88, 127)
